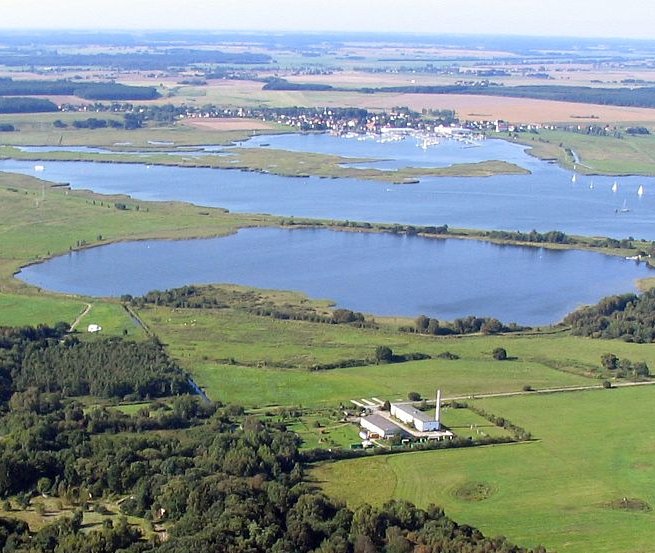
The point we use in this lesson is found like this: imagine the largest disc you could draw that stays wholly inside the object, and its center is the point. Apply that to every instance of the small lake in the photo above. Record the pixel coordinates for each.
(544, 200)
(384, 274)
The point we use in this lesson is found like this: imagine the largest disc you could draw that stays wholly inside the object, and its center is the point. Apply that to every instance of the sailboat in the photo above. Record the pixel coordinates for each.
(640, 190)
(623, 209)
(615, 187)
(573, 179)
(591, 185)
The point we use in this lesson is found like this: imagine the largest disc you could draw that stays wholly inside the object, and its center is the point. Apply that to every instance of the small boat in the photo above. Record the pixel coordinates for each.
(39, 168)
(591, 185)
(573, 179)
(640, 190)
(615, 187)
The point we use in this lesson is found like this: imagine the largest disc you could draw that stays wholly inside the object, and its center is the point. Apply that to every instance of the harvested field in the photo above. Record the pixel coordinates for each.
(227, 124)
(524, 110)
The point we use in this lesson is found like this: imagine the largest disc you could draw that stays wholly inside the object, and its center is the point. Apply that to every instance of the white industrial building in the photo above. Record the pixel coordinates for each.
(378, 426)
(420, 420)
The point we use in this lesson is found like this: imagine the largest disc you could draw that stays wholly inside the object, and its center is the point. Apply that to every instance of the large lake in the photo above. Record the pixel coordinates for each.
(377, 273)
(544, 200)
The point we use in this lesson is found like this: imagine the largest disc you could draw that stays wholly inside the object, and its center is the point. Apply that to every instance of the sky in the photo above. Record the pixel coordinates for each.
(581, 18)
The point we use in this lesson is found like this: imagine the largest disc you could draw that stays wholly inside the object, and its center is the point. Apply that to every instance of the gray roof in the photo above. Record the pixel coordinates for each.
(414, 412)
(384, 424)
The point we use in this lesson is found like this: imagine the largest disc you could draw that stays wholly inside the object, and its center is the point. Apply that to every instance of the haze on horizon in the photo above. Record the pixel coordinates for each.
(575, 18)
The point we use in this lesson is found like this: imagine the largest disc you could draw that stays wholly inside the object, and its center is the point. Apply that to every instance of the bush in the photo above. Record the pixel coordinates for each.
(383, 354)
(414, 396)
(499, 354)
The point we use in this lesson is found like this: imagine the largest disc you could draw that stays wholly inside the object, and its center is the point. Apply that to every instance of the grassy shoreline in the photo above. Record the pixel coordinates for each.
(278, 162)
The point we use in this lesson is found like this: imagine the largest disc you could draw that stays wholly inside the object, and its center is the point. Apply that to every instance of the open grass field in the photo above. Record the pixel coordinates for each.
(630, 155)
(114, 320)
(20, 310)
(585, 485)
(260, 361)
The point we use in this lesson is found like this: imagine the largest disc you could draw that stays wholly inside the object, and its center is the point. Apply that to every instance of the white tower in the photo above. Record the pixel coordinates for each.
(437, 409)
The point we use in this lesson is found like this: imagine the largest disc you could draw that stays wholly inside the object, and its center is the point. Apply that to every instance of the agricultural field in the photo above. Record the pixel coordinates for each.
(584, 484)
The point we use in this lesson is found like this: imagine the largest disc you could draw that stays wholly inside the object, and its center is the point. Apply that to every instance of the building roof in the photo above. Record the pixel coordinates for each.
(414, 412)
(384, 424)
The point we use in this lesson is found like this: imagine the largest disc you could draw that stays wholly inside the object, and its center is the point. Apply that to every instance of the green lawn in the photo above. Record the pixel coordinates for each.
(564, 490)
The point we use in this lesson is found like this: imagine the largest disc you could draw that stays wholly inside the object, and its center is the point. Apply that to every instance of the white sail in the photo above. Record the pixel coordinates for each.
(640, 190)
(591, 185)
(615, 187)
(573, 179)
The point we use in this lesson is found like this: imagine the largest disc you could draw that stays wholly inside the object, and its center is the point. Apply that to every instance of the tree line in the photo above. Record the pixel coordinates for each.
(88, 91)
(463, 325)
(170, 58)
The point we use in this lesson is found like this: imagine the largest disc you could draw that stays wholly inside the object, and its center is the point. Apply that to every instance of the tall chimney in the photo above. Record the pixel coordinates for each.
(437, 410)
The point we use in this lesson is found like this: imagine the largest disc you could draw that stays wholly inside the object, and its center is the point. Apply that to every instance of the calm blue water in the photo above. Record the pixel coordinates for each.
(544, 200)
(377, 273)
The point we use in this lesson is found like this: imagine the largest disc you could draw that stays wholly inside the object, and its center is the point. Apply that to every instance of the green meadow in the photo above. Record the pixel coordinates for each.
(585, 483)
(19, 310)
(238, 357)
(628, 155)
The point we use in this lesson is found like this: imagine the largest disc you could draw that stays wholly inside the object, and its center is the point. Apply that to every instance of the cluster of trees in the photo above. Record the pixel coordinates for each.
(205, 297)
(623, 368)
(550, 237)
(92, 123)
(89, 91)
(48, 360)
(276, 83)
(465, 325)
(627, 316)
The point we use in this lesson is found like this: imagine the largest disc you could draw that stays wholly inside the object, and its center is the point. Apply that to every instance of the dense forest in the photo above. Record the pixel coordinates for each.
(26, 105)
(162, 60)
(628, 316)
(88, 91)
(50, 361)
(228, 483)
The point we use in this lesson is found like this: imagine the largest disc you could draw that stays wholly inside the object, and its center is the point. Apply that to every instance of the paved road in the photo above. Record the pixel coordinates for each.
(541, 391)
